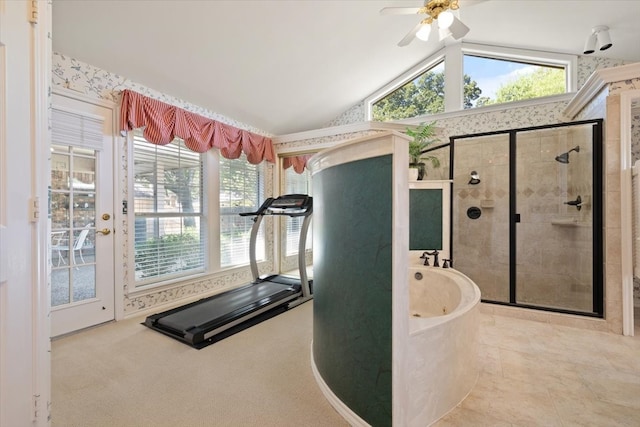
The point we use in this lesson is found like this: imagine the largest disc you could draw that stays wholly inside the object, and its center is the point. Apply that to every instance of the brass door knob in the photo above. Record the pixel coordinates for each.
(104, 231)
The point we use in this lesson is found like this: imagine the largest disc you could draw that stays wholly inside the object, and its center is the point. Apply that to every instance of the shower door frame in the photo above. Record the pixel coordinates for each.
(596, 203)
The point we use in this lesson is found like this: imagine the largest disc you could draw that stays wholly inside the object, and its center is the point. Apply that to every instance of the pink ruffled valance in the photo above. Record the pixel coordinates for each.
(298, 162)
(163, 122)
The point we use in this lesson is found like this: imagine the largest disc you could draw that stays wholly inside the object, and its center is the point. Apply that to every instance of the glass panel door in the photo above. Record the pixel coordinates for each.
(527, 216)
(81, 211)
(480, 224)
(554, 203)
(73, 213)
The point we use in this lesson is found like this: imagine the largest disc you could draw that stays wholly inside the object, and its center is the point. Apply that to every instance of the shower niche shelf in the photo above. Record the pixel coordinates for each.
(569, 222)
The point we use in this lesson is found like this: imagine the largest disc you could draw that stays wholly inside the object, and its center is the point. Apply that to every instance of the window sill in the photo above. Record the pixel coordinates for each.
(565, 97)
(152, 288)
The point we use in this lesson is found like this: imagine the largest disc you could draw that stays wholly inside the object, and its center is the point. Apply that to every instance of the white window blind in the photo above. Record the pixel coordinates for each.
(296, 183)
(170, 225)
(241, 190)
(79, 130)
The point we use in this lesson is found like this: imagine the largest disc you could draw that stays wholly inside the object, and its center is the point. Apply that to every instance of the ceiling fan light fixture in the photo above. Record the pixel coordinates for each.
(456, 30)
(424, 32)
(436, 10)
(445, 19)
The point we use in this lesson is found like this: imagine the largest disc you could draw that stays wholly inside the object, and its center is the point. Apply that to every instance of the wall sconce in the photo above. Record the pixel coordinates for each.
(600, 36)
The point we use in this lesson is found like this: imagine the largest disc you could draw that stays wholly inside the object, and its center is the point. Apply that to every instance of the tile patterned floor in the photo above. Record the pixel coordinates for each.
(537, 374)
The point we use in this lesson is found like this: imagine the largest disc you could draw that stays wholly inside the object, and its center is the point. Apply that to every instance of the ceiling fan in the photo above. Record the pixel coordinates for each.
(439, 11)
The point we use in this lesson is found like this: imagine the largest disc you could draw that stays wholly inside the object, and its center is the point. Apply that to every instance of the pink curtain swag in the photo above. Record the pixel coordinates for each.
(163, 122)
(298, 162)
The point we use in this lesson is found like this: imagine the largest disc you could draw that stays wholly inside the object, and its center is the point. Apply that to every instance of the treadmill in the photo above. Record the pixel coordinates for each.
(211, 319)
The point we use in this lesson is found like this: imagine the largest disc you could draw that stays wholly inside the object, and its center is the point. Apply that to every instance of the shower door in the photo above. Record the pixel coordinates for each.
(556, 266)
(480, 222)
(526, 217)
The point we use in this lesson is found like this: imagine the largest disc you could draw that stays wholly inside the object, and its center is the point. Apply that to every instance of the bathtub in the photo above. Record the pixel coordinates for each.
(442, 366)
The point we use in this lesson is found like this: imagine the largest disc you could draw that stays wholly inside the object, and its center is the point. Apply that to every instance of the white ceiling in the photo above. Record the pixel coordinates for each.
(289, 66)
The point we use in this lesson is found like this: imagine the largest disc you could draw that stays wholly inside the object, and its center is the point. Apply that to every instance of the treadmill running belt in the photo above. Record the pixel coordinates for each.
(225, 306)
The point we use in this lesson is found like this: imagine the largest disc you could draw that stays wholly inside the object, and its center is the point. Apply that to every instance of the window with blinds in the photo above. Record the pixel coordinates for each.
(241, 190)
(170, 225)
(78, 130)
(296, 183)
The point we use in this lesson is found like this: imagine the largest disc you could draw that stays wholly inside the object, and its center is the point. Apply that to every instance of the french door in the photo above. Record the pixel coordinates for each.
(81, 212)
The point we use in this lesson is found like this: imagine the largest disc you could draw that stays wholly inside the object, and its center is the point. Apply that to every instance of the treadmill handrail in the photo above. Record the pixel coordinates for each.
(267, 208)
(261, 209)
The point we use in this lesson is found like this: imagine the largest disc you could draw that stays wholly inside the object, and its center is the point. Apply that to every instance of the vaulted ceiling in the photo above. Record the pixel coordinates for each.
(288, 66)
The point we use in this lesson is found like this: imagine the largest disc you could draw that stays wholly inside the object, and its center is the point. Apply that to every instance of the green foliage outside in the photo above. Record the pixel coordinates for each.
(168, 254)
(239, 186)
(425, 94)
(542, 82)
(184, 183)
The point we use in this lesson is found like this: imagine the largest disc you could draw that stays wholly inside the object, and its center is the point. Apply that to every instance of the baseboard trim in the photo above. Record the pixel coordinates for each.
(351, 417)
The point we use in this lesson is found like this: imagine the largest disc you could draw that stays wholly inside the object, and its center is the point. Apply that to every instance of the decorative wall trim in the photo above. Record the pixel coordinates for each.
(336, 130)
(626, 164)
(596, 83)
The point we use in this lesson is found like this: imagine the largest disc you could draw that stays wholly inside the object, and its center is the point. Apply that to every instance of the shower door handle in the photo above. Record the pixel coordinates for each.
(517, 218)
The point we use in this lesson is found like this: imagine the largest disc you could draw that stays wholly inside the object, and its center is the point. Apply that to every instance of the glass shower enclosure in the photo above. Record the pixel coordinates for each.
(527, 215)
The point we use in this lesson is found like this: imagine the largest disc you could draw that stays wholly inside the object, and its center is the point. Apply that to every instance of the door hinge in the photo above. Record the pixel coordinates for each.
(36, 402)
(34, 209)
(33, 11)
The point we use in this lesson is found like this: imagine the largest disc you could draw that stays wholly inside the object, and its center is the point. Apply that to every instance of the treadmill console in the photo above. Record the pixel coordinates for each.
(291, 204)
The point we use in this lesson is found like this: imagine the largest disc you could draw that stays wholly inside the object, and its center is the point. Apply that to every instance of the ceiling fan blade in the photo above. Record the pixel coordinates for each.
(410, 35)
(399, 10)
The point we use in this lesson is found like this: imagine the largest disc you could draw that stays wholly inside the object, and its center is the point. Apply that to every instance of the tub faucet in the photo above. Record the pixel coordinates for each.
(425, 257)
(435, 257)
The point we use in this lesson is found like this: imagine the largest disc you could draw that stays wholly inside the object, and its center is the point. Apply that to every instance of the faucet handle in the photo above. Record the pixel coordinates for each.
(425, 257)
(445, 263)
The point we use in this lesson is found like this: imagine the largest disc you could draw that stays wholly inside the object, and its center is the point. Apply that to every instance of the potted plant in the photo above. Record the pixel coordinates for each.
(423, 136)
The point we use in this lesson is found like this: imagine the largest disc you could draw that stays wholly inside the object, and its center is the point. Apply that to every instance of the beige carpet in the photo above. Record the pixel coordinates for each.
(124, 374)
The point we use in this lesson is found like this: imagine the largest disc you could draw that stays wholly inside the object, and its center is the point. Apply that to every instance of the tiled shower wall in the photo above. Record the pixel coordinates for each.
(557, 269)
(554, 240)
(481, 245)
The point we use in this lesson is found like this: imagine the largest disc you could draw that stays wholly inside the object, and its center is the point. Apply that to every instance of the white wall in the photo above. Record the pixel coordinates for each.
(25, 51)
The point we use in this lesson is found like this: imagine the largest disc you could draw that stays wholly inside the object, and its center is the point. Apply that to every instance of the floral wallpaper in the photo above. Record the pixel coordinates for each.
(93, 82)
(96, 83)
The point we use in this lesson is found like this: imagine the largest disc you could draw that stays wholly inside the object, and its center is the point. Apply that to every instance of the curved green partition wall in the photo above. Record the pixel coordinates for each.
(352, 232)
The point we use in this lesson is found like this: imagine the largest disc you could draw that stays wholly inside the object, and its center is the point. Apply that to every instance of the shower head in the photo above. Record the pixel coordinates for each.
(564, 157)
